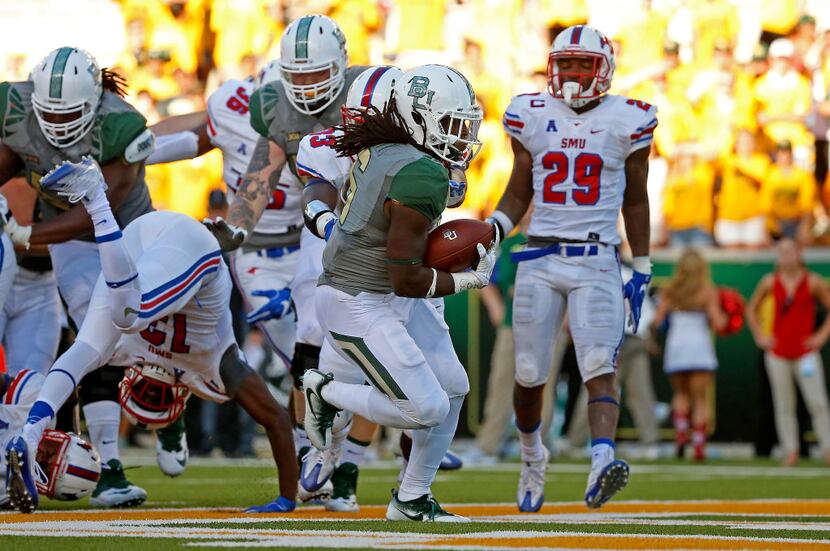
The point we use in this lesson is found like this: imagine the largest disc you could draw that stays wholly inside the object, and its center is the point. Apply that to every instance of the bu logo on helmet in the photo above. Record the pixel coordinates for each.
(450, 235)
(418, 90)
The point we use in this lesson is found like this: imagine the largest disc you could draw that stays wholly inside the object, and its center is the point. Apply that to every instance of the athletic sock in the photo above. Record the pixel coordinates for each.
(428, 449)
(699, 442)
(102, 421)
(681, 428)
(602, 452)
(531, 443)
(354, 451)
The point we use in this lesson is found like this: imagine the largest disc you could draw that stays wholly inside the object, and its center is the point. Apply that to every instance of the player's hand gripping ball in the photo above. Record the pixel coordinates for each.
(451, 247)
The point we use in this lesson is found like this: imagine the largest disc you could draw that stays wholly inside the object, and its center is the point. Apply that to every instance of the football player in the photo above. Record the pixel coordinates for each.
(265, 265)
(308, 97)
(161, 301)
(70, 108)
(328, 174)
(580, 155)
(369, 303)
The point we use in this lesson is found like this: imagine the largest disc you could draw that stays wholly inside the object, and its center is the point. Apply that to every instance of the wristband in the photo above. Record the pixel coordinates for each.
(434, 283)
(316, 215)
(641, 264)
(464, 281)
(17, 233)
(504, 222)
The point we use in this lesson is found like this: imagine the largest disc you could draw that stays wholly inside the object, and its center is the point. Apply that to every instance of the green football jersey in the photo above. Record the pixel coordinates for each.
(355, 256)
(273, 116)
(117, 124)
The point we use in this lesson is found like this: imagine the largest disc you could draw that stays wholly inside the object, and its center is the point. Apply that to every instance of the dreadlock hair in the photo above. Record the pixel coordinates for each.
(113, 82)
(376, 128)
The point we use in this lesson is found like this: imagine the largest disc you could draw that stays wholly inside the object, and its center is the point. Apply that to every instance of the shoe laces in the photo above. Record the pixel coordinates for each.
(435, 509)
(40, 475)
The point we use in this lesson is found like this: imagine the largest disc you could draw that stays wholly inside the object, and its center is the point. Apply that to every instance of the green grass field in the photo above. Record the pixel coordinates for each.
(668, 504)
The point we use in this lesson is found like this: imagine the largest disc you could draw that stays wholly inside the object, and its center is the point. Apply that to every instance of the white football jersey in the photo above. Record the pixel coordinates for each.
(316, 159)
(229, 129)
(20, 393)
(579, 161)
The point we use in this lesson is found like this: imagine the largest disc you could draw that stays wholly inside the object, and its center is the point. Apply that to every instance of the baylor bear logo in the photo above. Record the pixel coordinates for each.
(419, 89)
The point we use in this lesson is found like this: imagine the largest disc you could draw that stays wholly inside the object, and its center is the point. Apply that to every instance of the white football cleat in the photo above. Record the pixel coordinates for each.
(605, 481)
(317, 467)
(531, 493)
(114, 490)
(317, 497)
(319, 414)
(172, 452)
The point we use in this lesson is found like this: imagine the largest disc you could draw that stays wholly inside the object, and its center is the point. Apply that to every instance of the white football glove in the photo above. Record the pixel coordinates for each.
(17, 233)
(230, 237)
(480, 276)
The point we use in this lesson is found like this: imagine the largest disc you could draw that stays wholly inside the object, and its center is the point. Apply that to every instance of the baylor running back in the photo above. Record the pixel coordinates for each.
(116, 127)
(355, 257)
(274, 116)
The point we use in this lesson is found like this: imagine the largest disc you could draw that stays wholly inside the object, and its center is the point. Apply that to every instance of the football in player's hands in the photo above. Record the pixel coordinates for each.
(451, 247)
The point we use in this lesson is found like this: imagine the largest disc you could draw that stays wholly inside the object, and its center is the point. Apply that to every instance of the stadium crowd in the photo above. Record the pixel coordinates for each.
(742, 86)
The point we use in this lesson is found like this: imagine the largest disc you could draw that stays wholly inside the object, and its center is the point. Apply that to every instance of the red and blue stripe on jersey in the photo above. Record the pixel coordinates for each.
(162, 296)
(645, 133)
(512, 123)
(15, 386)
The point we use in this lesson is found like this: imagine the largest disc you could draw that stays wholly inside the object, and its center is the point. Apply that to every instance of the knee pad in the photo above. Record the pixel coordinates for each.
(101, 384)
(599, 360)
(306, 356)
(528, 373)
(233, 369)
(428, 413)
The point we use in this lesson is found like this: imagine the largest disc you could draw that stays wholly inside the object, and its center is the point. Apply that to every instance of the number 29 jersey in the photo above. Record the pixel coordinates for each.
(579, 161)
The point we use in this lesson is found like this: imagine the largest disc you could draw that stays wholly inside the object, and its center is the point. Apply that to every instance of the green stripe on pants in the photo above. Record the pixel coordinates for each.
(56, 78)
(301, 42)
(356, 349)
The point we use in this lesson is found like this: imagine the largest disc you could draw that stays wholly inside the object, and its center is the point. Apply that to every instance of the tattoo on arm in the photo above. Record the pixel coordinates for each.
(255, 188)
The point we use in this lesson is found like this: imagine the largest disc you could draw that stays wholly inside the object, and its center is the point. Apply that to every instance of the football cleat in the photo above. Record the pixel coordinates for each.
(279, 505)
(319, 414)
(171, 448)
(318, 497)
(531, 493)
(316, 468)
(114, 490)
(75, 181)
(450, 462)
(343, 496)
(423, 509)
(605, 482)
(20, 476)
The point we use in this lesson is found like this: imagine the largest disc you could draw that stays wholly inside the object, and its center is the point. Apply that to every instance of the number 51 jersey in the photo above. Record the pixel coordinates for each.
(579, 161)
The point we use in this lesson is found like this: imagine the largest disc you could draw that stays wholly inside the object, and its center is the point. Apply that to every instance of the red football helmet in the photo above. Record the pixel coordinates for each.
(152, 398)
(732, 304)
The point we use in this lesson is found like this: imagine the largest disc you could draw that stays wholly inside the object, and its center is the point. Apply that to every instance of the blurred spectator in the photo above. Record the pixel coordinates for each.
(689, 305)
(359, 20)
(791, 344)
(784, 98)
(787, 196)
(688, 205)
(740, 220)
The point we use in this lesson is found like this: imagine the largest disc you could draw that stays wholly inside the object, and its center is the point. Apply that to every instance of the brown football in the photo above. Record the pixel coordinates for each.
(451, 247)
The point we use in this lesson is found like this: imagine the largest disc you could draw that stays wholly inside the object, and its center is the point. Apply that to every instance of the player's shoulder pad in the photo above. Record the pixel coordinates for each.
(638, 119)
(520, 111)
(120, 125)
(15, 101)
(422, 184)
(263, 106)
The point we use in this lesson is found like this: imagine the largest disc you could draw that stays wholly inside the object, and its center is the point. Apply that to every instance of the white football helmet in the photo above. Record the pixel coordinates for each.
(151, 397)
(438, 107)
(70, 464)
(581, 41)
(66, 96)
(373, 87)
(269, 73)
(312, 44)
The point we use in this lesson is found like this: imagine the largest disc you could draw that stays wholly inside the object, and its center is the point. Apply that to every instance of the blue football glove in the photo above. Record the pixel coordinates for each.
(635, 292)
(279, 505)
(330, 228)
(278, 305)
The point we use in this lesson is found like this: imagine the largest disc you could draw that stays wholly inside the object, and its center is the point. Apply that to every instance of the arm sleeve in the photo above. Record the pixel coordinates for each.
(642, 133)
(422, 185)
(118, 132)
